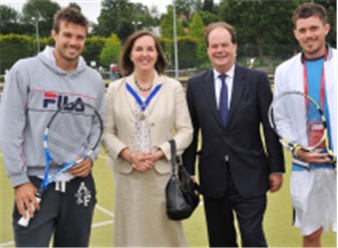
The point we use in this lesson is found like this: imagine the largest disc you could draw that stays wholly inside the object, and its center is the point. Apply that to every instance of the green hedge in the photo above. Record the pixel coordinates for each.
(14, 47)
(186, 49)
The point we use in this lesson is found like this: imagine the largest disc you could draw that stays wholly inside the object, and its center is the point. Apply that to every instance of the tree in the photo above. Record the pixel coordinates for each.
(43, 11)
(208, 17)
(8, 14)
(125, 28)
(208, 5)
(111, 50)
(142, 14)
(155, 14)
(93, 48)
(184, 7)
(198, 5)
(188, 7)
(9, 21)
(117, 16)
(332, 36)
(112, 11)
(167, 27)
(196, 31)
(196, 27)
(270, 24)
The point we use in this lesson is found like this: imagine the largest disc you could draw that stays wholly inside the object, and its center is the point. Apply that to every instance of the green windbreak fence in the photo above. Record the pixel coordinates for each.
(191, 58)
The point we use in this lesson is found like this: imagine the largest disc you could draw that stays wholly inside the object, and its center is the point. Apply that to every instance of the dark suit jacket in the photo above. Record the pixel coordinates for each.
(240, 140)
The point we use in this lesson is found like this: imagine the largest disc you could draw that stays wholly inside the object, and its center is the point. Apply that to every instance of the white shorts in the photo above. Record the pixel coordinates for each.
(314, 198)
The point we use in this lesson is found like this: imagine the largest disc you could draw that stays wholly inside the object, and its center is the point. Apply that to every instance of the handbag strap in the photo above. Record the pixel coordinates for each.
(173, 155)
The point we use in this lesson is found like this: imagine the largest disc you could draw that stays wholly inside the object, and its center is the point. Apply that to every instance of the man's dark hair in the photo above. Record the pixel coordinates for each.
(307, 10)
(69, 14)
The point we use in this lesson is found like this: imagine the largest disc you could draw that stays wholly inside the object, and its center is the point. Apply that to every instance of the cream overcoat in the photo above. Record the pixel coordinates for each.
(167, 113)
(140, 212)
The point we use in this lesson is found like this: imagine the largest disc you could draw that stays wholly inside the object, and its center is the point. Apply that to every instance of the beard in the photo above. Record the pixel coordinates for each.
(66, 56)
(314, 51)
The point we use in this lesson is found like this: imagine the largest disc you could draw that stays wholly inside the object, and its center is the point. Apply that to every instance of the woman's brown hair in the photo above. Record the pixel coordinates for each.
(127, 66)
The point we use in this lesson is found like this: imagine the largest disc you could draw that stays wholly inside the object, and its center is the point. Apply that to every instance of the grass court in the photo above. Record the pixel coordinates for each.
(277, 223)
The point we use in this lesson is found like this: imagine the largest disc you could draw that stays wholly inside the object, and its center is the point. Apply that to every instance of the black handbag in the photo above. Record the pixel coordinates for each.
(182, 194)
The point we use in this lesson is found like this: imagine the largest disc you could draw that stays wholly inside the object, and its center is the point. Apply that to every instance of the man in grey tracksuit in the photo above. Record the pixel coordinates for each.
(35, 88)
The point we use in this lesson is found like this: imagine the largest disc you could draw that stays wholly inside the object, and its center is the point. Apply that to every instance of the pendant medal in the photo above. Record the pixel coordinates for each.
(142, 116)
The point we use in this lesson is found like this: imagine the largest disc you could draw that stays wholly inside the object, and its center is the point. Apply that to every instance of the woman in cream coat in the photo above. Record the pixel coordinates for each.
(136, 139)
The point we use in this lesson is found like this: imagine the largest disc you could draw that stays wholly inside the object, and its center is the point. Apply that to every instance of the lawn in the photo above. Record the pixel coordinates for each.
(277, 224)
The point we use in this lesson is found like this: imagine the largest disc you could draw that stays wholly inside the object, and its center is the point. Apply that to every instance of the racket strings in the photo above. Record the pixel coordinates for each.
(68, 136)
(291, 115)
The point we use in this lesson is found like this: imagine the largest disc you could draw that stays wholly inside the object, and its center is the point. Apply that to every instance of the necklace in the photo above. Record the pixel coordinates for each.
(143, 89)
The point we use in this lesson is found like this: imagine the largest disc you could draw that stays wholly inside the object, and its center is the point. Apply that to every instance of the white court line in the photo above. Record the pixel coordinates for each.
(94, 225)
(105, 210)
(7, 244)
(102, 156)
(103, 223)
(99, 224)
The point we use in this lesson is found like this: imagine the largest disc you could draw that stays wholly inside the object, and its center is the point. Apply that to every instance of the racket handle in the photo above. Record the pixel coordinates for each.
(333, 160)
(24, 221)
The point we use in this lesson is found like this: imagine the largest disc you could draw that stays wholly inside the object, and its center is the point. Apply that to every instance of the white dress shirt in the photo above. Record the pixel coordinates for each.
(229, 80)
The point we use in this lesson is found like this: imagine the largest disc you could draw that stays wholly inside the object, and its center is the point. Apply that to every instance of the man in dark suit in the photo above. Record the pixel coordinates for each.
(229, 104)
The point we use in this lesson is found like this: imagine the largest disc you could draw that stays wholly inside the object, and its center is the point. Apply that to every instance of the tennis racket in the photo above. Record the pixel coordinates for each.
(300, 123)
(74, 131)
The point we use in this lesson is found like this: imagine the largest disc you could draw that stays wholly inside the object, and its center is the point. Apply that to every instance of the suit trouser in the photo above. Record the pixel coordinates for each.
(67, 215)
(249, 213)
(220, 222)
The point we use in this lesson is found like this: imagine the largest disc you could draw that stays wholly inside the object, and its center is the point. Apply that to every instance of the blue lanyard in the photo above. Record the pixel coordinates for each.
(138, 99)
